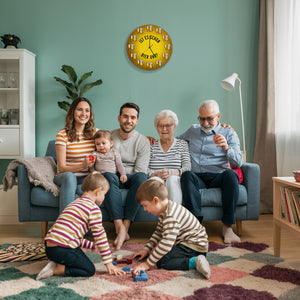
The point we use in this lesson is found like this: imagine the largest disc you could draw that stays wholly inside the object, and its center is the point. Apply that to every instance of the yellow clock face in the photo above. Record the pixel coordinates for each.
(149, 47)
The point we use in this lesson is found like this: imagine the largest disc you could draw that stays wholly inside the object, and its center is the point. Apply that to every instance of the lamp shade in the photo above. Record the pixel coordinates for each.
(228, 83)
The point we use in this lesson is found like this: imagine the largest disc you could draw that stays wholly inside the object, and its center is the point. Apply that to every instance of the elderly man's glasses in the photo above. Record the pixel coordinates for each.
(208, 119)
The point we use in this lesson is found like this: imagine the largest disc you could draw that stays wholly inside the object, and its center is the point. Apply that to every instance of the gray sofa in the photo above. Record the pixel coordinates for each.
(35, 204)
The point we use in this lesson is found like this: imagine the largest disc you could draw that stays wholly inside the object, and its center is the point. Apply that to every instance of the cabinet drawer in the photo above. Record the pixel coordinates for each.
(9, 142)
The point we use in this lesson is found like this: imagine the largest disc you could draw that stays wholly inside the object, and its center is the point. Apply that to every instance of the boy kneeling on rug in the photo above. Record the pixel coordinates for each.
(179, 241)
(65, 237)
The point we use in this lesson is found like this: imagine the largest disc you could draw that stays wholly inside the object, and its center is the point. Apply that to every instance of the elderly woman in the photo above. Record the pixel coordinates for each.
(169, 156)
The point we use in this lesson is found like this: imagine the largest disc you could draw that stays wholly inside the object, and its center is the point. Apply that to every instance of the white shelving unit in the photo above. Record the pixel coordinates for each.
(17, 97)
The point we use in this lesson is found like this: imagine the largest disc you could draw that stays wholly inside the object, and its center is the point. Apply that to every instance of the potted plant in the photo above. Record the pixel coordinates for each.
(74, 88)
(10, 40)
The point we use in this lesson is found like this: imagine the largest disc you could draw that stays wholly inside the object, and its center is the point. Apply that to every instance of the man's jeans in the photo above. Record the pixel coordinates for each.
(113, 198)
(228, 181)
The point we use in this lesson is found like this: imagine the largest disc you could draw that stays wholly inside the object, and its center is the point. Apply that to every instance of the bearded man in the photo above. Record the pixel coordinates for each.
(214, 149)
(134, 149)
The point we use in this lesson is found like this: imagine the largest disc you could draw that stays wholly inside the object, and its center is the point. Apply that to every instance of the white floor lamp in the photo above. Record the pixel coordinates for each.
(228, 84)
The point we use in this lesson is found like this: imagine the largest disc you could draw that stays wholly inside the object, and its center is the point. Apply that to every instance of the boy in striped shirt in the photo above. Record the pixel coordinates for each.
(179, 241)
(66, 236)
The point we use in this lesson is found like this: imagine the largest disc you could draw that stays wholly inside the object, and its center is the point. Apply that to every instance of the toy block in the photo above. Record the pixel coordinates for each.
(127, 269)
(142, 277)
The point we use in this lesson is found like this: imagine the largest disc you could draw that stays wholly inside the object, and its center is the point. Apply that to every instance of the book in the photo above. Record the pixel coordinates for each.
(290, 198)
(284, 212)
(296, 195)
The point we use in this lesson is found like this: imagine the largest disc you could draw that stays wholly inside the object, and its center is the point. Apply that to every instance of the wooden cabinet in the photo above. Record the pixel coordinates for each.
(279, 221)
(17, 104)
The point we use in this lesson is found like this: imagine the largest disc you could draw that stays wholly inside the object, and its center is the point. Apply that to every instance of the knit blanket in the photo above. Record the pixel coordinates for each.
(41, 171)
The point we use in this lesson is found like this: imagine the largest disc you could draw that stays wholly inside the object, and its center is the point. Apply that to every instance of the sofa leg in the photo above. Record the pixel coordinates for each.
(239, 229)
(44, 229)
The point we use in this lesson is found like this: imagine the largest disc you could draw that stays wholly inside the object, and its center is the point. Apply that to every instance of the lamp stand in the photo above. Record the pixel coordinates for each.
(242, 116)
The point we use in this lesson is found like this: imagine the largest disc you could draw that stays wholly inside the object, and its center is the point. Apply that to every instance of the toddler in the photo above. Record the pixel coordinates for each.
(106, 158)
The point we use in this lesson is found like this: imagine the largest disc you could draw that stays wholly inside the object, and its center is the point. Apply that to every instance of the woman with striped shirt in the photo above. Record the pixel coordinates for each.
(169, 157)
(73, 145)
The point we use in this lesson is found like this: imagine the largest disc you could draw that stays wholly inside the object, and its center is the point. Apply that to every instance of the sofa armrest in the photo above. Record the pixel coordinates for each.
(251, 173)
(24, 193)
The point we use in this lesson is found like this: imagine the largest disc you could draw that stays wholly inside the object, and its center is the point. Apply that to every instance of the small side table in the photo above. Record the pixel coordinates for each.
(278, 221)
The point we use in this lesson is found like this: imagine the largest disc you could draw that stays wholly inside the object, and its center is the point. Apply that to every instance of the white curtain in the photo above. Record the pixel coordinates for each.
(287, 85)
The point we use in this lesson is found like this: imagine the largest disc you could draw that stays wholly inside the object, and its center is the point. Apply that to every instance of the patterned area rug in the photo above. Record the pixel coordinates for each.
(241, 271)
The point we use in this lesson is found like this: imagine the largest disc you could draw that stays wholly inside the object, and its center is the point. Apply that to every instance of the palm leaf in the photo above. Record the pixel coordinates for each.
(70, 72)
(64, 105)
(88, 86)
(83, 78)
(66, 84)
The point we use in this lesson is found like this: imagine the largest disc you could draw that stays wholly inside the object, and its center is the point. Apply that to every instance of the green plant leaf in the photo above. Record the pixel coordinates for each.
(70, 72)
(88, 86)
(64, 105)
(66, 84)
(83, 78)
(72, 94)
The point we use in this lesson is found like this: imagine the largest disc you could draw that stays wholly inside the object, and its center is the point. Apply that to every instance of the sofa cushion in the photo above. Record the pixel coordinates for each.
(40, 197)
(213, 197)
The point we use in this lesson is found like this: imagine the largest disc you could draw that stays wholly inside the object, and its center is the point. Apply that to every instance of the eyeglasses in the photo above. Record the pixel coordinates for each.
(167, 126)
(208, 119)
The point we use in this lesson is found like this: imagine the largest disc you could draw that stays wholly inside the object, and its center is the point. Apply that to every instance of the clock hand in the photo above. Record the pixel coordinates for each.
(152, 51)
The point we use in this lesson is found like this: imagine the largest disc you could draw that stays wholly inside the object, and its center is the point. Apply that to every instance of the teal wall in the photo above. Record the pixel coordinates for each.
(211, 40)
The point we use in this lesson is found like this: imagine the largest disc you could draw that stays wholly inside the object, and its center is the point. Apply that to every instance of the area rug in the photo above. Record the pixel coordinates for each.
(240, 271)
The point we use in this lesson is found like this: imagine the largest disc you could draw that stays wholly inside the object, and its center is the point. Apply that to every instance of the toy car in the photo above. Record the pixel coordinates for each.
(142, 277)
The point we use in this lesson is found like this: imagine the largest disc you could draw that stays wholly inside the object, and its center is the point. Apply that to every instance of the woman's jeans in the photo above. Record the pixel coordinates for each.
(178, 258)
(68, 188)
(113, 199)
(76, 263)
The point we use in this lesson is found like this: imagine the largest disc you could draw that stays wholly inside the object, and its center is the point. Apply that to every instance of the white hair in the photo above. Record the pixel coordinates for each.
(166, 114)
(211, 104)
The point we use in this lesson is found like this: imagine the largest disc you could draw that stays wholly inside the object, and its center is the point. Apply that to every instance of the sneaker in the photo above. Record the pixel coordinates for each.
(202, 266)
(47, 271)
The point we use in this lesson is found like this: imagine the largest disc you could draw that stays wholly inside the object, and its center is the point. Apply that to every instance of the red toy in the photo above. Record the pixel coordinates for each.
(92, 158)
(123, 260)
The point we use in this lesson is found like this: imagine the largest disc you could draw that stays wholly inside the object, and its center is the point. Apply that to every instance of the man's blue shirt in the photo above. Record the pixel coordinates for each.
(206, 156)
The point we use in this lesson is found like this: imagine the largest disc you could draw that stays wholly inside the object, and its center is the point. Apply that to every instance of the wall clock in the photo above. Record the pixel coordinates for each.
(149, 47)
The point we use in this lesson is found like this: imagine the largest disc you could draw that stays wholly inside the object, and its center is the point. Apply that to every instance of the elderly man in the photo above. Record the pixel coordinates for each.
(213, 150)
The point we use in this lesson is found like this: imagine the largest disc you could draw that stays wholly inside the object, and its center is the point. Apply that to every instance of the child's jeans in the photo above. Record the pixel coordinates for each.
(77, 264)
(178, 258)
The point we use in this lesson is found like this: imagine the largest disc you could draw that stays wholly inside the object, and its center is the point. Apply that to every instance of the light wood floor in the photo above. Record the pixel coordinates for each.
(260, 231)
